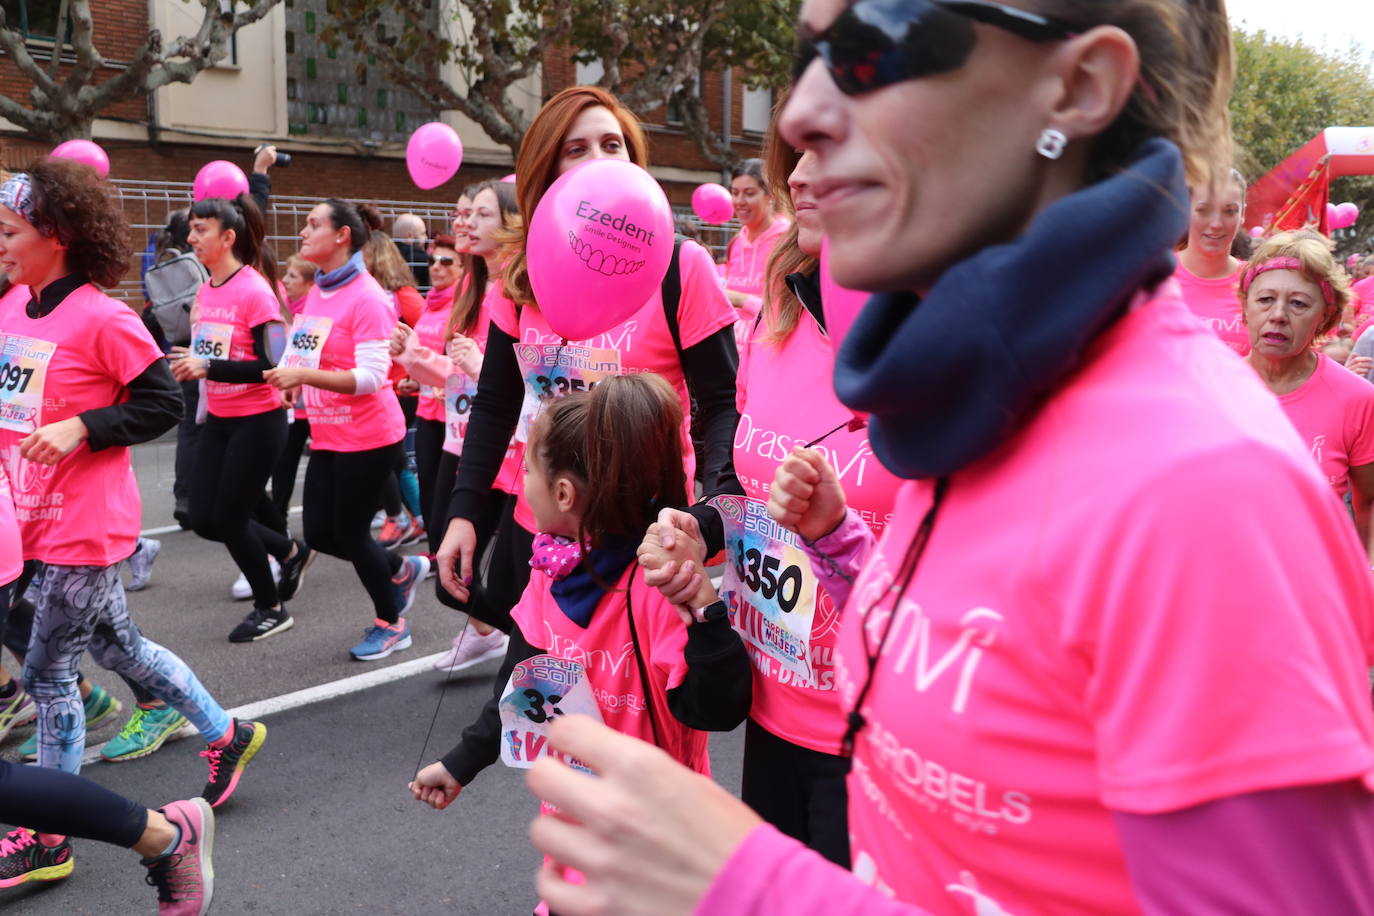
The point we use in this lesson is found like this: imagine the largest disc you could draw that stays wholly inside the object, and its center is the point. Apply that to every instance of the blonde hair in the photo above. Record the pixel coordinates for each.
(386, 263)
(1316, 264)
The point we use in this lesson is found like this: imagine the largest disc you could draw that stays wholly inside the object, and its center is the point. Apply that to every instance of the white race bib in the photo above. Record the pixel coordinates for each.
(23, 371)
(308, 334)
(540, 690)
(210, 340)
(553, 370)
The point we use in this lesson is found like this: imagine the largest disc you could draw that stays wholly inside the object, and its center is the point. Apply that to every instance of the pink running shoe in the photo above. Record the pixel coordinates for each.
(185, 877)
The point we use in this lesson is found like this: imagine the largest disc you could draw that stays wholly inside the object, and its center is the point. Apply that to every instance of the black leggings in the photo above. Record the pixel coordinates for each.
(51, 801)
(429, 455)
(234, 459)
(797, 790)
(284, 474)
(341, 493)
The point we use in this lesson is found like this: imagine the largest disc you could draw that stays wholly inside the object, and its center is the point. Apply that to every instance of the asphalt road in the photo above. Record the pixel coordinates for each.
(322, 822)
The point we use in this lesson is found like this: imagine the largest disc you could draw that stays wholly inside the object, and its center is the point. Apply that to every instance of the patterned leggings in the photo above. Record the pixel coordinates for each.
(82, 607)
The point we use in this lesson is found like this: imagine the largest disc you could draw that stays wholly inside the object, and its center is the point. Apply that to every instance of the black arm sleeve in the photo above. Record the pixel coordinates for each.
(710, 368)
(716, 694)
(154, 406)
(244, 370)
(260, 189)
(480, 744)
(495, 412)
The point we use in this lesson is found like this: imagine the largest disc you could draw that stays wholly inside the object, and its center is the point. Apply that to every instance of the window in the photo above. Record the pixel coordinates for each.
(343, 93)
(674, 115)
(310, 68)
(362, 117)
(33, 18)
(400, 122)
(290, 42)
(758, 110)
(291, 88)
(310, 22)
(590, 74)
(381, 98)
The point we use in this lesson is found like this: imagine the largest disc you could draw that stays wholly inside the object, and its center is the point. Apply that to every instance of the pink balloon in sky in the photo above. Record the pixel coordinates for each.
(712, 204)
(1347, 215)
(219, 178)
(433, 154)
(509, 179)
(86, 152)
(1256, 231)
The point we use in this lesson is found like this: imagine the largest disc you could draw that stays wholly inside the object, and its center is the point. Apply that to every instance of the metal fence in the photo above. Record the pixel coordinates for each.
(147, 204)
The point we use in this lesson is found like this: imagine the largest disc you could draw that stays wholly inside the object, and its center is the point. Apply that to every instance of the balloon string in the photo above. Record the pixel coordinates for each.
(448, 675)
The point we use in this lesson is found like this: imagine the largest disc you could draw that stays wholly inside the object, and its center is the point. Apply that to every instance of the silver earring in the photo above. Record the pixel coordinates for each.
(1051, 143)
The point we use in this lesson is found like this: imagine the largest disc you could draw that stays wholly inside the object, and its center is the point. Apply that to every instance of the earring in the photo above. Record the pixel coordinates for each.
(1051, 143)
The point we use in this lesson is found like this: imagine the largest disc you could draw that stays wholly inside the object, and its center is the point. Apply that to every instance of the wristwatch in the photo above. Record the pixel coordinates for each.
(716, 610)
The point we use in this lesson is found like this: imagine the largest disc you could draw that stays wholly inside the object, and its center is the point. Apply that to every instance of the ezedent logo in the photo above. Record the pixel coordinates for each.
(618, 223)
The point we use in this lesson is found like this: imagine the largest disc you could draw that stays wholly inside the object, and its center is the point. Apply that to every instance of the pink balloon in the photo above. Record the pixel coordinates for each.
(1347, 215)
(86, 152)
(712, 204)
(1256, 231)
(509, 179)
(1332, 217)
(598, 246)
(219, 178)
(433, 154)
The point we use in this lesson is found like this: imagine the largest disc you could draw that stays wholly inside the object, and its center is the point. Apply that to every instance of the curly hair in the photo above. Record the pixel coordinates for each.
(83, 210)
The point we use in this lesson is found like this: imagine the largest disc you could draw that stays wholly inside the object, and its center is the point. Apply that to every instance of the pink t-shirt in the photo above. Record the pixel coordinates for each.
(1216, 301)
(606, 650)
(429, 329)
(746, 262)
(1333, 412)
(361, 310)
(225, 317)
(1145, 601)
(1362, 307)
(85, 510)
(786, 398)
(644, 342)
(11, 553)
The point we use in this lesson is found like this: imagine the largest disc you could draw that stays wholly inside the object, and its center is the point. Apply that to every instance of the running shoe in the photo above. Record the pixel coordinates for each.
(381, 639)
(185, 877)
(242, 591)
(406, 583)
(227, 763)
(261, 623)
(145, 732)
(472, 648)
(18, 709)
(99, 706)
(141, 564)
(24, 858)
(292, 571)
(414, 534)
(393, 530)
(379, 519)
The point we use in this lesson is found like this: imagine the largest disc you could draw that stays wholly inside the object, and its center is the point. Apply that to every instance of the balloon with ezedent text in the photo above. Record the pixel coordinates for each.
(433, 154)
(598, 246)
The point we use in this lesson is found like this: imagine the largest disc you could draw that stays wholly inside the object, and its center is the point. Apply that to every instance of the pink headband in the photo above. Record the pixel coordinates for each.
(1289, 263)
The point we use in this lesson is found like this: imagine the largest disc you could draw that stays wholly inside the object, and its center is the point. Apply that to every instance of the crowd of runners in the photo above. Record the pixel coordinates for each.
(1040, 579)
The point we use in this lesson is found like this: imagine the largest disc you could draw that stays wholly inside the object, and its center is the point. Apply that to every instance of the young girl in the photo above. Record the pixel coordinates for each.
(447, 354)
(338, 352)
(590, 636)
(236, 337)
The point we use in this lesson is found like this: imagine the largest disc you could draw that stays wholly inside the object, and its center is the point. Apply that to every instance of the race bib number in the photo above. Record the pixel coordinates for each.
(308, 334)
(210, 340)
(540, 690)
(553, 370)
(23, 370)
(769, 585)
(459, 390)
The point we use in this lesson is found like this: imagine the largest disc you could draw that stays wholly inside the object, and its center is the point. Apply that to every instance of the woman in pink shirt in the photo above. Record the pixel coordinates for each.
(237, 335)
(1293, 291)
(1207, 273)
(1111, 653)
(337, 355)
(746, 257)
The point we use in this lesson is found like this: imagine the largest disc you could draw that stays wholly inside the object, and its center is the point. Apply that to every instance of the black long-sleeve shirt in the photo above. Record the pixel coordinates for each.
(154, 405)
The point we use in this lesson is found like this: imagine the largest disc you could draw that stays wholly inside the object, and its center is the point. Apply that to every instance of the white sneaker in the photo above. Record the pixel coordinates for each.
(379, 519)
(472, 648)
(242, 591)
(141, 563)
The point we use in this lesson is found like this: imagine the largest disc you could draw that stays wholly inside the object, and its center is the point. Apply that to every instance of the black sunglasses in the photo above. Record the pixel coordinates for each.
(445, 259)
(877, 43)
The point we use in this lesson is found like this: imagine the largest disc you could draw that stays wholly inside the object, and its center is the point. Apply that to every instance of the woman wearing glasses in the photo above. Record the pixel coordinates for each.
(1087, 672)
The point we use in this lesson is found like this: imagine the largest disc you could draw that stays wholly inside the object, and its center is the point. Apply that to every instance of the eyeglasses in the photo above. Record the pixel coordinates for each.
(877, 43)
(447, 260)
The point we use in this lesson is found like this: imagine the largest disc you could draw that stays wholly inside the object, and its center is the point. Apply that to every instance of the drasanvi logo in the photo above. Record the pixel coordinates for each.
(1317, 445)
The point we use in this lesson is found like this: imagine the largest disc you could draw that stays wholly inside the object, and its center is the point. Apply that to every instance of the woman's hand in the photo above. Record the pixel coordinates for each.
(435, 786)
(185, 367)
(646, 833)
(284, 378)
(455, 558)
(51, 443)
(667, 569)
(465, 354)
(407, 386)
(738, 299)
(400, 337)
(806, 496)
(1360, 365)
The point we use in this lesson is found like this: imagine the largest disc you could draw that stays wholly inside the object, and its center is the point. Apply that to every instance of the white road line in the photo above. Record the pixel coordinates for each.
(317, 694)
(172, 529)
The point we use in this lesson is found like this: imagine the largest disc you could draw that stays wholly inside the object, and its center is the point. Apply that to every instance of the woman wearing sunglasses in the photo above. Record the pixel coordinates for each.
(583, 124)
(1086, 670)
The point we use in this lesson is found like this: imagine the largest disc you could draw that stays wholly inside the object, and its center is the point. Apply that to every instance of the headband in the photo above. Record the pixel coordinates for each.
(1288, 263)
(17, 194)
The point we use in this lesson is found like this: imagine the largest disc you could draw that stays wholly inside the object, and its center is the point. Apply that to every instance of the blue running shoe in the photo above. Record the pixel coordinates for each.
(407, 582)
(381, 640)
